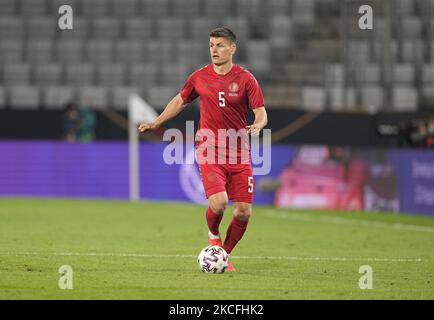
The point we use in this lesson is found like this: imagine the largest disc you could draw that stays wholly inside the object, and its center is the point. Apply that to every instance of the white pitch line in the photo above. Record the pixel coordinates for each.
(189, 256)
(348, 221)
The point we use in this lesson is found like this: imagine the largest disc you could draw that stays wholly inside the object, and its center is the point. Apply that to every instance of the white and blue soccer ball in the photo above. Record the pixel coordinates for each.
(213, 259)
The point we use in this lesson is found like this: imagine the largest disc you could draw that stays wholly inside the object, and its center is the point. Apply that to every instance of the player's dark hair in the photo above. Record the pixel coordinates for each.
(223, 32)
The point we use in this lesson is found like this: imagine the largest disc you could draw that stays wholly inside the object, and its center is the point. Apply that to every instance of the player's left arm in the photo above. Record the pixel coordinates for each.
(261, 121)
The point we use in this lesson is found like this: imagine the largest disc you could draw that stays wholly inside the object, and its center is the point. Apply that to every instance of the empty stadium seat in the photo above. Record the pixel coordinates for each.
(171, 28)
(313, 98)
(24, 97)
(372, 96)
(201, 27)
(432, 52)
(412, 51)
(105, 29)
(411, 27)
(125, 8)
(120, 96)
(110, 75)
(358, 51)
(11, 28)
(281, 35)
(405, 7)
(39, 51)
(258, 55)
(303, 11)
(7, 8)
(159, 96)
(80, 74)
(217, 9)
(47, 74)
(379, 50)
(191, 53)
(280, 7)
(129, 51)
(139, 29)
(428, 96)
(143, 76)
(41, 28)
(95, 8)
(155, 8)
(32, 8)
(337, 99)
(186, 8)
(334, 73)
(93, 97)
(403, 73)
(56, 97)
(428, 74)
(250, 8)
(159, 52)
(16, 74)
(100, 51)
(2, 97)
(11, 51)
(240, 27)
(69, 51)
(174, 75)
(369, 73)
(405, 98)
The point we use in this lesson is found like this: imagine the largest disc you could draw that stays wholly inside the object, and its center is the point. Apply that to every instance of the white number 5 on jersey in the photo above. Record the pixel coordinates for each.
(222, 102)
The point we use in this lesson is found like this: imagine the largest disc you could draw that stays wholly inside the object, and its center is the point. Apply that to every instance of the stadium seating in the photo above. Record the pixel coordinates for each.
(80, 74)
(405, 98)
(16, 74)
(313, 98)
(7, 8)
(24, 97)
(56, 97)
(146, 44)
(93, 97)
(2, 97)
(11, 51)
(120, 96)
(46, 74)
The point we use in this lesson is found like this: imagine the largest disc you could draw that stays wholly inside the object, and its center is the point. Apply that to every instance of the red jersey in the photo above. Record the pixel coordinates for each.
(224, 99)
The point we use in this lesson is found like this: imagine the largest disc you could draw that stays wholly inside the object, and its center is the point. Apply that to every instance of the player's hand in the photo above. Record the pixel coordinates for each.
(253, 130)
(147, 126)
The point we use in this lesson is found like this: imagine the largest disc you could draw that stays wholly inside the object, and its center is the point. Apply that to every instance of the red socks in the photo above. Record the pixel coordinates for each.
(213, 221)
(234, 234)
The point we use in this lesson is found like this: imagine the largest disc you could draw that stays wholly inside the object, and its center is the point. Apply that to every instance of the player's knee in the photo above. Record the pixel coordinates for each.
(243, 212)
(218, 206)
(218, 202)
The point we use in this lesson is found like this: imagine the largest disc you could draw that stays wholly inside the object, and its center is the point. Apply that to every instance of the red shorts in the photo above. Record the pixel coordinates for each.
(235, 179)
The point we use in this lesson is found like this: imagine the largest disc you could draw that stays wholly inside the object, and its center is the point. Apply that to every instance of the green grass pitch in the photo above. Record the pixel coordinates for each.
(148, 250)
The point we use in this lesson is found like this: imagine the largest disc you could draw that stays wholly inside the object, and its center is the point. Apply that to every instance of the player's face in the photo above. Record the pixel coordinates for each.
(221, 50)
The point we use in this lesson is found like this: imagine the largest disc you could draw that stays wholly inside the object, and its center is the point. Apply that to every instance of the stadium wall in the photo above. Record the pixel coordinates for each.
(311, 176)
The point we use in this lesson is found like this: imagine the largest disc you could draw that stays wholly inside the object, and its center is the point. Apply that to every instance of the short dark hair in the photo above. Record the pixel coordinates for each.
(223, 32)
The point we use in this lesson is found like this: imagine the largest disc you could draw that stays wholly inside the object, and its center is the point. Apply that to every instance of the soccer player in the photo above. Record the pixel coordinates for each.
(226, 92)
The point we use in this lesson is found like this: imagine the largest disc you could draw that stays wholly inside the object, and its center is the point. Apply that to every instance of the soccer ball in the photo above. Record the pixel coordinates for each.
(213, 259)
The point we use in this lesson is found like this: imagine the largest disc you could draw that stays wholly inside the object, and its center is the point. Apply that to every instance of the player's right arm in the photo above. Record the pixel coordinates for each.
(173, 108)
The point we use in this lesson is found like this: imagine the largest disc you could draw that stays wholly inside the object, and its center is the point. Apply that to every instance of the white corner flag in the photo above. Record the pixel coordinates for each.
(138, 111)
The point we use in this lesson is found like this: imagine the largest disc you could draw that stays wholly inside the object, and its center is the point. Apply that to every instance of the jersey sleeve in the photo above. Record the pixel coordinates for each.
(254, 93)
(188, 93)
